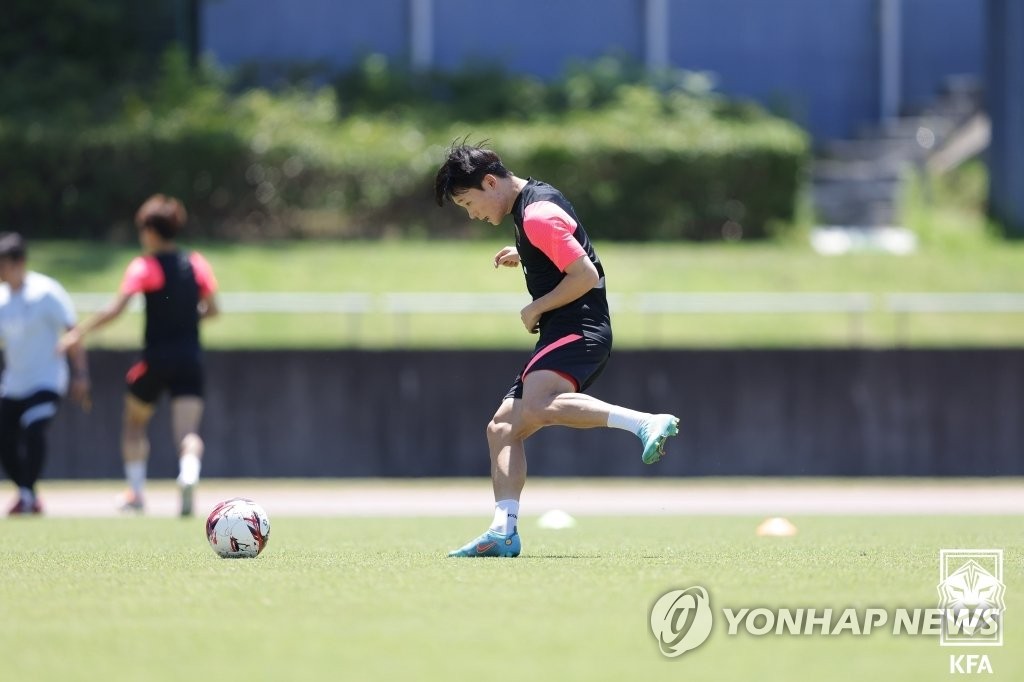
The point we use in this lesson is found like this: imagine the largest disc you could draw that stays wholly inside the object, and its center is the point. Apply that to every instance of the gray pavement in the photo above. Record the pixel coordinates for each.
(470, 497)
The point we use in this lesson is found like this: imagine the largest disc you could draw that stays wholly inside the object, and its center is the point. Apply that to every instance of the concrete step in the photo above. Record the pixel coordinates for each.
(832, 170)
(857, 213)
(858, 181)
(859, 192)
(875, 149)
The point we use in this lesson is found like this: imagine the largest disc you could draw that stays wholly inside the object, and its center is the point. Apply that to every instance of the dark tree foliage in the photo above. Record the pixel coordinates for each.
(74, 58)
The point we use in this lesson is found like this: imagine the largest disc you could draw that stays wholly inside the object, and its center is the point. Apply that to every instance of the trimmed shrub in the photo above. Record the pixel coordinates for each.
(649, 164)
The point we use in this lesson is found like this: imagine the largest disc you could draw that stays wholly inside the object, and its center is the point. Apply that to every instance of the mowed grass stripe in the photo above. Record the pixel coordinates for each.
(352, 598)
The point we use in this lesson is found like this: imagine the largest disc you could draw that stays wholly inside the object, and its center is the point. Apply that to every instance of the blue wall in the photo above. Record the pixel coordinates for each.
(1005, 70)
(815, 61)
(535, 37)
(239, 31)
(941, 38)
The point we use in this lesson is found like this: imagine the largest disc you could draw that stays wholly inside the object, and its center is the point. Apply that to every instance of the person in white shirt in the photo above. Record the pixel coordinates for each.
(34, 312)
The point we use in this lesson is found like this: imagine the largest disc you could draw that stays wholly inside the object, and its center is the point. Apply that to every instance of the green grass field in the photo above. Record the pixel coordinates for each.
(375, 599)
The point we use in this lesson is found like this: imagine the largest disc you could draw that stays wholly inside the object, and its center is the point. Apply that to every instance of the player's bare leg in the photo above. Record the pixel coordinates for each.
(549, 399)
(508, 476)
(505, 441)
(135, 450)
(186, 413)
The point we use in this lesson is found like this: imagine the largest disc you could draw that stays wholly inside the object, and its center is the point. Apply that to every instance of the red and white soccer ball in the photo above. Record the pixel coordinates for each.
(238, 529)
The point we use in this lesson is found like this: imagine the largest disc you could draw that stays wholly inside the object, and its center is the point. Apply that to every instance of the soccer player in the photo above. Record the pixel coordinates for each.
(179, 287)
(34, 312)
(569, 312)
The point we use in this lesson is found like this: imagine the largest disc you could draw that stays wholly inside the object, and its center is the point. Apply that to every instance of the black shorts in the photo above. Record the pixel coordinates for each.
(21, 413)
(147, 382)
(577, 357)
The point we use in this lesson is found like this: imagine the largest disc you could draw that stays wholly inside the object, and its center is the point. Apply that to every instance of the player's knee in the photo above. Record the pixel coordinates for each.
(136, 420)
(36, 431)
(501, 432)
(133, 428)
(192, 444)
(498, 430)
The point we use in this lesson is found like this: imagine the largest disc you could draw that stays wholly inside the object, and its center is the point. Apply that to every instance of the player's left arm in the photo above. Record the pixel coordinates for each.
(64, 316)
(208, 307)
(580, 277)
(207, 283)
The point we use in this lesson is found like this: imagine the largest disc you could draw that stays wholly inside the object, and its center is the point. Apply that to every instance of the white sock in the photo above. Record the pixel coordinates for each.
(506, 517)
(27, 496)
(626, 419)
(135, 472)
(188, 469)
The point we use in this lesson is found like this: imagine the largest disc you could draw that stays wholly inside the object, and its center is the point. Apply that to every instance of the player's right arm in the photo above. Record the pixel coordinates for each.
(580, 277)
(74, 336)
(142, 274)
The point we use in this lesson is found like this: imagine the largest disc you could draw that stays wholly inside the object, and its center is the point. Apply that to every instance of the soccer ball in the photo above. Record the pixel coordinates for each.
(238, 529)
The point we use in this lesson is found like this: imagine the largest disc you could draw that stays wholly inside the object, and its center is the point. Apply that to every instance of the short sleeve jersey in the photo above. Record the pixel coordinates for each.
(173, 283)
(549, 237)
(32, 320)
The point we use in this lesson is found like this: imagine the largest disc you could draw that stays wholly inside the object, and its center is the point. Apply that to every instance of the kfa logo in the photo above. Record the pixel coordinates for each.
(969, 663)
(972, 600)
(971, 596)
(681, 620)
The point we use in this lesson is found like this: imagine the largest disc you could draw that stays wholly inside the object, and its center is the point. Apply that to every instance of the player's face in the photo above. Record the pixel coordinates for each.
(484, 204)
(10, 269)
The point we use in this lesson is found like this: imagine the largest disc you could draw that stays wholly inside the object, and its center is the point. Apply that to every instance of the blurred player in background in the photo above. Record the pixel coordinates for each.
(179, 287)
(34, 312)
(569, 311)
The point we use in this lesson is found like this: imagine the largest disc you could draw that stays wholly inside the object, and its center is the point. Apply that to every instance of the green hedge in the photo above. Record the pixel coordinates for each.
(663, 175)
(263, 165)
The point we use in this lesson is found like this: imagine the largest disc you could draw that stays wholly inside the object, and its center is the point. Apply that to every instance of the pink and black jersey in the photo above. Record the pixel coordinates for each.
(173, 284)
(549, 237)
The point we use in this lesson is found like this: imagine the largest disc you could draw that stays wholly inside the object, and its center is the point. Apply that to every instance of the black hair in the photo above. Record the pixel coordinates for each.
(464, 169)
(12, 245)
(164, 226)
(163, 214)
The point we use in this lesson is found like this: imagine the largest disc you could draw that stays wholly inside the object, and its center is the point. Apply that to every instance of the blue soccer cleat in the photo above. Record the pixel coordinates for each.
(491, 544)
(654, 432)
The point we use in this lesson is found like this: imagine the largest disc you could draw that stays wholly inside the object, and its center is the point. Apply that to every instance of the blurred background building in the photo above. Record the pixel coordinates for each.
(832, 67)
(879, 84)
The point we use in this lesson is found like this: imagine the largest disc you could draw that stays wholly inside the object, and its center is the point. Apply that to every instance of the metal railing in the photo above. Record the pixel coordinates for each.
(404, 305)
(902, 305)
(468, 302)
